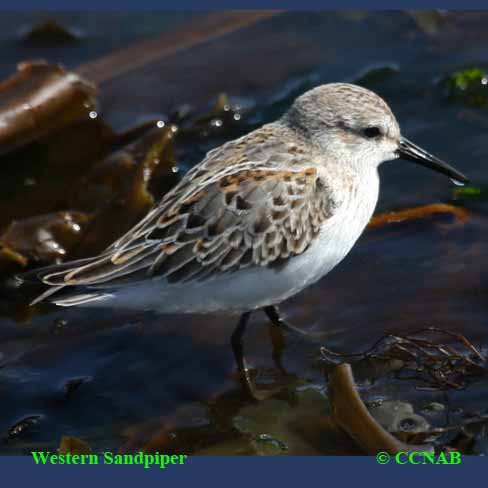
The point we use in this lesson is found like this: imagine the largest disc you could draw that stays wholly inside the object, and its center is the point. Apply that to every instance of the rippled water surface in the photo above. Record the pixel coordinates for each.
(137, 381)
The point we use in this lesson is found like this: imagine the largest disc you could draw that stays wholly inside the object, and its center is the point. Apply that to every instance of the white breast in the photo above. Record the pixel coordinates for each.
(340, 233)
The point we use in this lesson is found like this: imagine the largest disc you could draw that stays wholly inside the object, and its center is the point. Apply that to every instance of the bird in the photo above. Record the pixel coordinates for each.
(258, 220)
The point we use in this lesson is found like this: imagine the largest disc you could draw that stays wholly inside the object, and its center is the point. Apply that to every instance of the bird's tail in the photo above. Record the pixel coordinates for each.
(56, 277)
(50, 291)
(92, 279)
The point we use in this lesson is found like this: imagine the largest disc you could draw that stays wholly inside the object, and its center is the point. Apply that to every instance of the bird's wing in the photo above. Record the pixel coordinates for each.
(236, 218)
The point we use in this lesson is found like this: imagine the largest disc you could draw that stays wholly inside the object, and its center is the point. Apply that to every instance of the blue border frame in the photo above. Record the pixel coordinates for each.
(236, 471)
(248, 472)
(241, 5)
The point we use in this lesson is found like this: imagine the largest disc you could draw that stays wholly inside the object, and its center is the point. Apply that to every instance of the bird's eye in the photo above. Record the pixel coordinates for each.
(371, 132)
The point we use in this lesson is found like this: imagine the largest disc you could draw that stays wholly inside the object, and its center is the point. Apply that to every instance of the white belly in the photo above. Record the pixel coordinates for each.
(258, 287)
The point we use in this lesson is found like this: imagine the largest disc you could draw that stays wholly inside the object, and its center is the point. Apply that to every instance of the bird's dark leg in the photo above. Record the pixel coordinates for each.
(273, 315)
(275, 318)
(237, 347)
(277, 338)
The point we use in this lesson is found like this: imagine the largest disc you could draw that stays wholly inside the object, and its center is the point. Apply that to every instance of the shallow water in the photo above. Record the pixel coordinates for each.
(127, 382)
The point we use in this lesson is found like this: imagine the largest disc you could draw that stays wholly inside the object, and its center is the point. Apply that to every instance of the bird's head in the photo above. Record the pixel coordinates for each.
(357, 127)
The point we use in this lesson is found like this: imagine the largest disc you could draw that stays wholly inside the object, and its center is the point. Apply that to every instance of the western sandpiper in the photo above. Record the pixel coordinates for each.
(257, 221)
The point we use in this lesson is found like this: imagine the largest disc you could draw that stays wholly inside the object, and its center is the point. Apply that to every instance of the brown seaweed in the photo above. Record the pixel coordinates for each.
(122, 187)
(143, 53)
(39, 99)
(40, 240)
(73, 445)
(418, 213)
(351, 414)
(424, 358)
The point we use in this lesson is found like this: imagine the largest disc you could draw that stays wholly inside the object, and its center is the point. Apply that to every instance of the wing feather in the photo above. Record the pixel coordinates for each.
(219, 219)
(247, 218)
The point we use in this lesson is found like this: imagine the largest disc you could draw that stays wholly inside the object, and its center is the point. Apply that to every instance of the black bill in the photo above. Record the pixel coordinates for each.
(408, 150)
